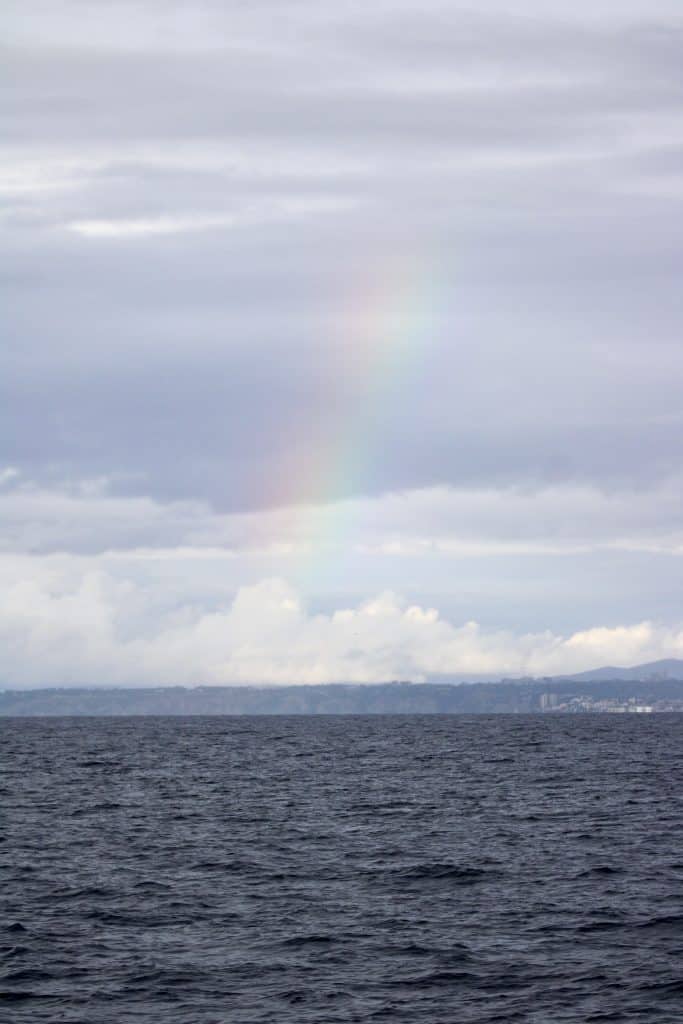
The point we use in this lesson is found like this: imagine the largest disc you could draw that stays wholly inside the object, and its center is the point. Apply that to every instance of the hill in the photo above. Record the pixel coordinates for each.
(667, 668)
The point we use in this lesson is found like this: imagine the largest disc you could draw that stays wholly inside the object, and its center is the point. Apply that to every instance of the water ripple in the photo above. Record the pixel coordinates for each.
(312, 870)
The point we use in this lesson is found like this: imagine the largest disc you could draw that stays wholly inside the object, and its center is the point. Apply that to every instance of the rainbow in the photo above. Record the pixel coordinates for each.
(378, 347)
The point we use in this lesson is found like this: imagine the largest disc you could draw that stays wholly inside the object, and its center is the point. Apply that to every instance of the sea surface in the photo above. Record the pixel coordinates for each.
(441, 869)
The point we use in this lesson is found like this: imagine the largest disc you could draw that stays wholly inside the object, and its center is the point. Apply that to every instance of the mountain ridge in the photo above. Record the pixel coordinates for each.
(664, 668)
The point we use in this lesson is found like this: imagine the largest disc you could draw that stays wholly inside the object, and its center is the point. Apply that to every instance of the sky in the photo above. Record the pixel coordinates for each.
(342, 341)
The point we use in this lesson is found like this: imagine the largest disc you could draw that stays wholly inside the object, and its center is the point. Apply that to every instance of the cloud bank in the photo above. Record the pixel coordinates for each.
(69, 624)
(202, 203)
(89, 516)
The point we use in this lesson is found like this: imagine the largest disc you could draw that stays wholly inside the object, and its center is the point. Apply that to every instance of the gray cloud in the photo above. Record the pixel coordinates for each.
(286, 254)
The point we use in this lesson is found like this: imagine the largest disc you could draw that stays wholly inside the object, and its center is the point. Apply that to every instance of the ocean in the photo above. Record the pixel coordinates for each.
(442, 869)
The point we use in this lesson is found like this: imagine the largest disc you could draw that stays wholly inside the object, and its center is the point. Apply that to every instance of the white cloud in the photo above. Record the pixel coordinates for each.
(177, 224)
(147, 226)
(69, 622)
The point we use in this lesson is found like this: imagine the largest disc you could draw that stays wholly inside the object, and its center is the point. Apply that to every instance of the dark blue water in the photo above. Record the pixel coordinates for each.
(424, 869)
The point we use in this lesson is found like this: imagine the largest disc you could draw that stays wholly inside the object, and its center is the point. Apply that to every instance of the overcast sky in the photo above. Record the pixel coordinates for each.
(340, 340)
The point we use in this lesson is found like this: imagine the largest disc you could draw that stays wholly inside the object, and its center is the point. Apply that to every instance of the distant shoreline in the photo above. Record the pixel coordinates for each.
(545, 696)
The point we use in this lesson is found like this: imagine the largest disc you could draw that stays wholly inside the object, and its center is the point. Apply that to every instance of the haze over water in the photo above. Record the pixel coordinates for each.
(291, 870)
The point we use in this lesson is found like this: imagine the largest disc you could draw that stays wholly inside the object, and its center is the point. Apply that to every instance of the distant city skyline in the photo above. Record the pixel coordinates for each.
(342, 342)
